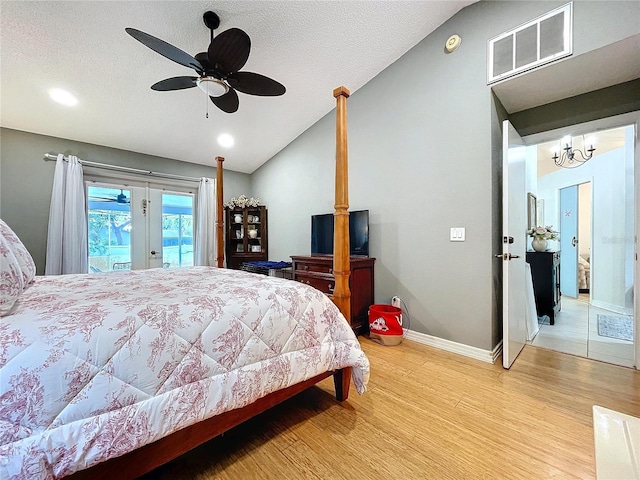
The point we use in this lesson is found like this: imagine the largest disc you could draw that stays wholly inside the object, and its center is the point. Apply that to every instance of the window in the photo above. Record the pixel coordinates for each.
(109, 223)
(177, 230)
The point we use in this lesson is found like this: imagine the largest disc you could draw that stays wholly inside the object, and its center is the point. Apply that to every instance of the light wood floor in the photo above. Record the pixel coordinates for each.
(428, 414)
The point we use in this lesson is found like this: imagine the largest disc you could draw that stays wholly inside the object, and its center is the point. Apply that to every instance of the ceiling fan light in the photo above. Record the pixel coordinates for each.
(212, 86)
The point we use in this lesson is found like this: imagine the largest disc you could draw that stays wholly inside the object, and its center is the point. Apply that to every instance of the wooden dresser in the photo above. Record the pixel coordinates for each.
(317, 271)
(545, 272)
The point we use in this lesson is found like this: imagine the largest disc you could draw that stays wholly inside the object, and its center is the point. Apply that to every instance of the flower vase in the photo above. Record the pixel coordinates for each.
(539, 244)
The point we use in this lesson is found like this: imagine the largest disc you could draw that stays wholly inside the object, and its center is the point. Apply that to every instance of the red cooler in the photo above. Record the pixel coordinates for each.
(385, 324)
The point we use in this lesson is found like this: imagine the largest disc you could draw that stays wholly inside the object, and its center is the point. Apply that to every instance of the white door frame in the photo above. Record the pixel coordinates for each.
(632, 118)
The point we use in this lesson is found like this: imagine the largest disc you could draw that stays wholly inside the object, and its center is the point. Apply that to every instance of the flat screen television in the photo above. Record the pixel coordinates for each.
(322, 233)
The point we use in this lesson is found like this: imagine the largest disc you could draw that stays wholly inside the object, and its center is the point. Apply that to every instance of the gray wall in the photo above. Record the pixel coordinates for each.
(424, 146)
(605, 102)
(26, 180)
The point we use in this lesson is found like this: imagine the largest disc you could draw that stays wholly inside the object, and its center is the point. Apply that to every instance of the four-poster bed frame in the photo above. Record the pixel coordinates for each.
(145, 459)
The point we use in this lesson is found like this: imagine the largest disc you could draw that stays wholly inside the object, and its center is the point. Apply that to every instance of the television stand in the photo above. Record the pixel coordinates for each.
(317, 271)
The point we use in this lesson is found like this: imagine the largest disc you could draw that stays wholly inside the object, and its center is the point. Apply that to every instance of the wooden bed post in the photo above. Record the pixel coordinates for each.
(219, 214)
(341, 263)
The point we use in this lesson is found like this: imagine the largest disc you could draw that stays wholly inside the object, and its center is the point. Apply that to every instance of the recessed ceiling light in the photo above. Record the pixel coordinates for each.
(63, 97)
(225, 140)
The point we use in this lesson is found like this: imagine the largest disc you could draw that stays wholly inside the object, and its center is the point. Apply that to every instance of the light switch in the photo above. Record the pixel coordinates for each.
(457, 234)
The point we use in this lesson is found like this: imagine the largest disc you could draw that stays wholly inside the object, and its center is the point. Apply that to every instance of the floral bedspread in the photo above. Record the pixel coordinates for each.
(94, 366)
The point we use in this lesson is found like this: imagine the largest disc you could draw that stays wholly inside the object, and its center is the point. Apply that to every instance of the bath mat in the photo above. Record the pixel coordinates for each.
(615, 326)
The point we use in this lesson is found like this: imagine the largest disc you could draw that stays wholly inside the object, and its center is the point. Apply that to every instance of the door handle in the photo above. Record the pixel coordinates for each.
(506, 256)
(574, 241)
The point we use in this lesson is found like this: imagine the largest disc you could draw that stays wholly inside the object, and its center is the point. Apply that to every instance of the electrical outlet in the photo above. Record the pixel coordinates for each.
(395, 301)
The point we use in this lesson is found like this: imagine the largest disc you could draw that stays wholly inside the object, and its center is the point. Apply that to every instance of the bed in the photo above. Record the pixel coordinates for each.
(111, 375)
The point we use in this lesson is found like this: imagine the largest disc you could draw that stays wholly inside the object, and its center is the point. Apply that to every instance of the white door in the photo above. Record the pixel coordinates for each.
(514, 244)
(569, 241)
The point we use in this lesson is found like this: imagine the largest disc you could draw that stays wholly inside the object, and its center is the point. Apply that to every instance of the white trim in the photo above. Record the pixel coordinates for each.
(488, 356)
(636, 279)
(99, 175)
(612, 307)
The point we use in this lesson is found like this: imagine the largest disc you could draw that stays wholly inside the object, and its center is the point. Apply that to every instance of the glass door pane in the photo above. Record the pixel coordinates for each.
(177, 230)
(109, 222)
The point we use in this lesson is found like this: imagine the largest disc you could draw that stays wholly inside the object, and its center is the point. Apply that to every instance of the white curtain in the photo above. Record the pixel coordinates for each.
(206, 223)
(67, 237)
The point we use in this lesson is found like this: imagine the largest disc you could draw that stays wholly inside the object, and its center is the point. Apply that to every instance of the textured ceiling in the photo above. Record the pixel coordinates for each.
(309, 46)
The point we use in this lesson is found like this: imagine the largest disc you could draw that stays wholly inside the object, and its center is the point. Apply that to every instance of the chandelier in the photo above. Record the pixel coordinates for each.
(572, 157)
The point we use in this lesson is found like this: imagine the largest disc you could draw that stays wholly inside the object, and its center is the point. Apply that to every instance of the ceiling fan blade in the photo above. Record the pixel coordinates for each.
(203, 58)
(165, 49)
(228, 102)
(229, 51)
(175, 83)
(255, 84)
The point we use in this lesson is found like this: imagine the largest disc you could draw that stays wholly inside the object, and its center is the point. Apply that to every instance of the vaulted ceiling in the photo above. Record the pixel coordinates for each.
(81, 46)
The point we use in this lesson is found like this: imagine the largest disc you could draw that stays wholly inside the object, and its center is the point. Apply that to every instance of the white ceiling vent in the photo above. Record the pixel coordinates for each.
(540, 41)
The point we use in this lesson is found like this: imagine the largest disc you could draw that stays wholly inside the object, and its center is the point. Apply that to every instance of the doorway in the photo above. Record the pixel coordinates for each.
(592, 207)
(138, 225)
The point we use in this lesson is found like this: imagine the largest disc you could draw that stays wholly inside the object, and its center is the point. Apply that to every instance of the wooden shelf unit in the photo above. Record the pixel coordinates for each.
(240, 245)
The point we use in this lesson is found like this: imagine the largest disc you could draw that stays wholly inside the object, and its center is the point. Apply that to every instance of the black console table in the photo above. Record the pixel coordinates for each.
(545, 271)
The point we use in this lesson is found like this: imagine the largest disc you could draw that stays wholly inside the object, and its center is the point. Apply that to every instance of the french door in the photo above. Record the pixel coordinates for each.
(139, 225)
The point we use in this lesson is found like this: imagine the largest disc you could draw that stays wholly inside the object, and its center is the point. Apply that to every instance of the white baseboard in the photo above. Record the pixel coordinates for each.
(612, 307)
(489, 356)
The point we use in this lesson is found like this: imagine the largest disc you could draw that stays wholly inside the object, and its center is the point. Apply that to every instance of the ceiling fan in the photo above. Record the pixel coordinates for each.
(218, 68)
(120, 198)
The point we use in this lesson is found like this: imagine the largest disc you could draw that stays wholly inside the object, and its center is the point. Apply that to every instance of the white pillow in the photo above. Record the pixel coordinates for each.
(25, 260)
(11, 278)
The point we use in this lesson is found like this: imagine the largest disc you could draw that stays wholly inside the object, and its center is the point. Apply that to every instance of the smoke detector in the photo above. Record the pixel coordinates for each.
(453, 42)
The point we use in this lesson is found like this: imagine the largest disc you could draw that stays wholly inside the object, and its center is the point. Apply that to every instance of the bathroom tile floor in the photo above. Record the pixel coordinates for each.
(576, 332)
